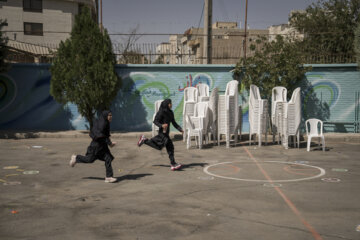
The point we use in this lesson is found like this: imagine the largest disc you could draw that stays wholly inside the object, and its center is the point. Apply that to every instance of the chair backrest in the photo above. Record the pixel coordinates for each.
(315, 125)
(203, 90)
(295, 97)
(254, 93)
(232, 88)
(157, 105)
(279, 94)
(190, 94)
(293, 111)
(201, 109)
(254, 98)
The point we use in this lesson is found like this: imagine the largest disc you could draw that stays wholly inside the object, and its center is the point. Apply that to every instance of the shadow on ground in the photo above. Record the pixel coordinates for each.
(125, 177)
(184, 166)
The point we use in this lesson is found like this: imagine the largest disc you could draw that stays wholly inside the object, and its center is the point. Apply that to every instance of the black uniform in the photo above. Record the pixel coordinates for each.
(164, 115)
(98, 148)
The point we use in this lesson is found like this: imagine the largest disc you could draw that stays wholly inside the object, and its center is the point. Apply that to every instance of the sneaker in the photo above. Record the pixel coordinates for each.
(72, 161)
(141, 140)
(110, 179)
(175, 166)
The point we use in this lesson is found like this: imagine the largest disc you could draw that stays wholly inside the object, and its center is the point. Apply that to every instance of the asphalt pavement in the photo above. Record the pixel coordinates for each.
(242, 192)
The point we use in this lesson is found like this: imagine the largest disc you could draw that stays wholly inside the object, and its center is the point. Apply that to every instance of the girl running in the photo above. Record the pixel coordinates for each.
(163, 118)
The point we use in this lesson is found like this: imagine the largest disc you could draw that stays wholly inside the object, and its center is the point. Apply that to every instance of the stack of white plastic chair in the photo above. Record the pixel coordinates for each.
(190, 99)
(213, 105)
(315, 131)
(203, 91)
(198, 124)
(154, 127)
(292, 118)
(258, 114)
(278, 98)
(228, 113)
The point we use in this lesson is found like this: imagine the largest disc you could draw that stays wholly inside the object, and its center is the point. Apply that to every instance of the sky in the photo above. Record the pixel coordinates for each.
(175, 16)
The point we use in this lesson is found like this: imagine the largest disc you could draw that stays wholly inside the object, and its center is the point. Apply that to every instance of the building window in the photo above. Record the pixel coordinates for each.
(33, 29)
(32, 5)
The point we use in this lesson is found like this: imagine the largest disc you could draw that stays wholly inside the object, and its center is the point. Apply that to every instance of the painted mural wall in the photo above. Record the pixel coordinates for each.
(25, 104)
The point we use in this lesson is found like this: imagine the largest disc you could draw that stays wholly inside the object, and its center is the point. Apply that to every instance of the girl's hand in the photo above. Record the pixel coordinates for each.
(112, 144)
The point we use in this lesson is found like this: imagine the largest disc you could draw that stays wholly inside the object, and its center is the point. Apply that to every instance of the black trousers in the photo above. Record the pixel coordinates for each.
(98, 151)
(160, 141)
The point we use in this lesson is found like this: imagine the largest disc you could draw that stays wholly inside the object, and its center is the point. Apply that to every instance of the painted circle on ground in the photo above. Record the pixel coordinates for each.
(10, 167)
(330, 179)
(301, 162)
(11, 183)
(321, 170)
(31, 172)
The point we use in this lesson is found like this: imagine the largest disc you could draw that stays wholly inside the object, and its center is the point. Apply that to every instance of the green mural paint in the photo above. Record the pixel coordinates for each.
(158, 85)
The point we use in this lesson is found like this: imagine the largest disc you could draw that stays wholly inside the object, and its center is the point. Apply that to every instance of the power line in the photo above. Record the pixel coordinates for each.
(202, 12)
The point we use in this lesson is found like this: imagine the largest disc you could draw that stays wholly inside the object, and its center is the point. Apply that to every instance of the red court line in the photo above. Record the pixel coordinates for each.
(293, 171)
(312, 230)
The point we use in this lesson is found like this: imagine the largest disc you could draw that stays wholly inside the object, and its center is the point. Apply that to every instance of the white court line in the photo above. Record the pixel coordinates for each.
(322, 173)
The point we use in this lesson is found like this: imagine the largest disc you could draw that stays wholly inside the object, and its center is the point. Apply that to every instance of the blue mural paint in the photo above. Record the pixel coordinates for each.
(25, 102)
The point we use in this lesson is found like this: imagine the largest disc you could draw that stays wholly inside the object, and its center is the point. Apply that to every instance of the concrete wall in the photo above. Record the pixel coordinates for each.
(328, 93)
(57, 16)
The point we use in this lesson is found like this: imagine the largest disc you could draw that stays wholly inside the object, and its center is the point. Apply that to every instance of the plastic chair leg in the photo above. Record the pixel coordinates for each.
(250, 139)
(298, 139)
(200, 140)
(308, 144)
(188, 144)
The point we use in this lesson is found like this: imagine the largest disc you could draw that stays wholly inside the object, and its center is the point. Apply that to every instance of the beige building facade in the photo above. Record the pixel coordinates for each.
(41, 22)
(227, 44)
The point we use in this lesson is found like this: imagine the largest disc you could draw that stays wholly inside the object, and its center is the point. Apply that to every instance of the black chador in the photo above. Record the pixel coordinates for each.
(98, 149)
(163, 118)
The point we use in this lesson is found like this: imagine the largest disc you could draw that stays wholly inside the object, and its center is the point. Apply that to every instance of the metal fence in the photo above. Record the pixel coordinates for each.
(226, 49)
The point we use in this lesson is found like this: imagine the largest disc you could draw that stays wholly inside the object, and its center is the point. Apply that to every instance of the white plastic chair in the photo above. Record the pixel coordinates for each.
(293, 117)
(154, 127)
(258, 114)
(316, 130)
(190, 99)
(198, 124)
(228, 112)
(203, 91)
(213, 106)
(278, 96)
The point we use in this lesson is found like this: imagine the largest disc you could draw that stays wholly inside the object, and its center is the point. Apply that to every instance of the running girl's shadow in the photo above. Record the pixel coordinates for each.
(125, 177)
(184, 166)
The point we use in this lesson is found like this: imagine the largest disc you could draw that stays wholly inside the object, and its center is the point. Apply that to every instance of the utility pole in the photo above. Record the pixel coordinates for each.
(207, 32)
(245, 35)
(101, 25)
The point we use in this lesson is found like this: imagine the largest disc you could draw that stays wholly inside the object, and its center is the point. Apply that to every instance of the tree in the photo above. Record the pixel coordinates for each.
(160, 59)
(133, 57)
(276, 63)
(83, 71)
(357, 44)
(328, 26)
(3, 48)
